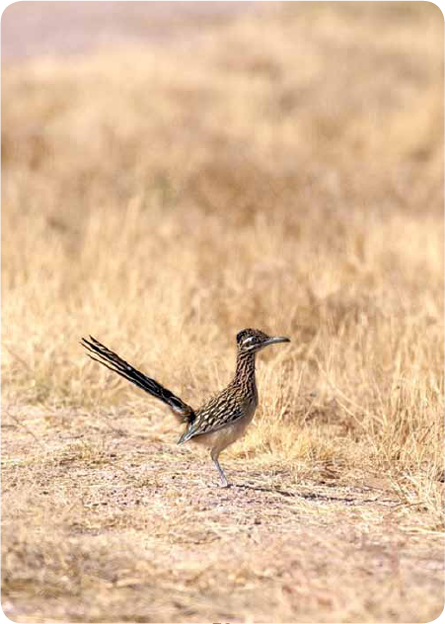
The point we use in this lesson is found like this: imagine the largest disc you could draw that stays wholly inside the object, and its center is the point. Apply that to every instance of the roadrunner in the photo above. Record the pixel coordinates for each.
(222, 420)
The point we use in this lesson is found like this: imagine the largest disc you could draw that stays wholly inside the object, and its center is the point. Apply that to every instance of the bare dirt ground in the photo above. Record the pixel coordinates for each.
(119, 524)
(290, 179)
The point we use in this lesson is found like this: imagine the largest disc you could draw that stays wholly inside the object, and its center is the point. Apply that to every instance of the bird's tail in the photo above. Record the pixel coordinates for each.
(113, 362)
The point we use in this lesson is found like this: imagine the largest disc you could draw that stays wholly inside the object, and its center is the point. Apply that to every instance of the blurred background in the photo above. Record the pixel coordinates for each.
(174, 172)
(270, 164)
(30, 28)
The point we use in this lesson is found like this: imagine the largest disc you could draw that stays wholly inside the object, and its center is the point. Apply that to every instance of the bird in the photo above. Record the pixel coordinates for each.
(221, 420)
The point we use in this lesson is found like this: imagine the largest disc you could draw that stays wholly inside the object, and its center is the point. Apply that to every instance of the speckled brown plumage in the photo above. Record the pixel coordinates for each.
(224, 418)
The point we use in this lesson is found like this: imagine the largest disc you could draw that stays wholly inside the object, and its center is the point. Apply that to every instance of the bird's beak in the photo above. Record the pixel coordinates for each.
(275, 340)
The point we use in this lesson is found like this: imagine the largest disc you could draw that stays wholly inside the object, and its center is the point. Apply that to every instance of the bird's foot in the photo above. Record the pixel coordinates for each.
(224, 485)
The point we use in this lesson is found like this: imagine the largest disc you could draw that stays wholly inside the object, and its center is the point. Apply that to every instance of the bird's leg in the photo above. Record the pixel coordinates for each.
(224, 482)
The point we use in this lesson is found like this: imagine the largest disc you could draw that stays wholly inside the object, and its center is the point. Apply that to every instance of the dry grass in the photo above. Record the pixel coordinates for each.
(291, 180)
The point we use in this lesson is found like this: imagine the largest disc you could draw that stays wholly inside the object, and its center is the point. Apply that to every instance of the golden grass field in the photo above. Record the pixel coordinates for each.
(284, 171)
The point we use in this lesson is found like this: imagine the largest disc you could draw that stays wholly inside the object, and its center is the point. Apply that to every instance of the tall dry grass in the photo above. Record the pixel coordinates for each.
(294, 186)
(286, 174)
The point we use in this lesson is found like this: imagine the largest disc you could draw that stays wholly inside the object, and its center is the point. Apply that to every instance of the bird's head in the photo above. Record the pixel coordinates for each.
(252, 340)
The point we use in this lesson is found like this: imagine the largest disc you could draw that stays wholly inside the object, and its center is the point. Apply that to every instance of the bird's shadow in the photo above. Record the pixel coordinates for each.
(310, 496)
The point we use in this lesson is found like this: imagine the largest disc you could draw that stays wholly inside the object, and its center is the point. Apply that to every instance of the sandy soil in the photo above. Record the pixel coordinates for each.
(143, 534)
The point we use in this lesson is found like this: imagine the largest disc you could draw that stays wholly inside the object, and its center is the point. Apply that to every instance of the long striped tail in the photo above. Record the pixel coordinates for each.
(113, 362)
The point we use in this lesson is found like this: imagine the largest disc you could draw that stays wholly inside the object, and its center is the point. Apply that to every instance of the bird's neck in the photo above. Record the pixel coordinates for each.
(245, 366)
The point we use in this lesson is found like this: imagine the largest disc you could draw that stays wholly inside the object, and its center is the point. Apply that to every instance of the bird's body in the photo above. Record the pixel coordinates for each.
(224, 418)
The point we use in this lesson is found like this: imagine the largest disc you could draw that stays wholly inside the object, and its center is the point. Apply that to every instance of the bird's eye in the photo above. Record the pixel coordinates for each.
(248, 340)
